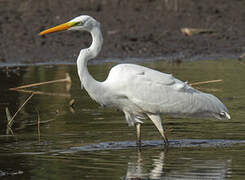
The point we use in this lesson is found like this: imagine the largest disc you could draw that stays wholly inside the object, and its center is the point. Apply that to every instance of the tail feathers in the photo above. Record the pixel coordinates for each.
(225, 115)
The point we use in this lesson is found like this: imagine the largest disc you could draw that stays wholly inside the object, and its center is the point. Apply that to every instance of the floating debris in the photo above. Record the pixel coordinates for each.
(241, 57)
(72, 102)
(194, 31)
(10, 172)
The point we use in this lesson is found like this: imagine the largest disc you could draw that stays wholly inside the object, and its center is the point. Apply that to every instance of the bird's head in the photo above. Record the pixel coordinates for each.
(80, 23)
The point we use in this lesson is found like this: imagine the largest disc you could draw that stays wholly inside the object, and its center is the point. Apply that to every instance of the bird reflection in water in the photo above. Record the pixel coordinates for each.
(164, 167)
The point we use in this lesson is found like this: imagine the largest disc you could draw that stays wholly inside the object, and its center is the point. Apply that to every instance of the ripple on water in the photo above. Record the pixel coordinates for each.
(155, 143)
(10, 172)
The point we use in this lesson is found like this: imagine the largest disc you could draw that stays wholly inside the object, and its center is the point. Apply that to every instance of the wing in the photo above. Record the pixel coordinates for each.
(149, 89)
(157, 92)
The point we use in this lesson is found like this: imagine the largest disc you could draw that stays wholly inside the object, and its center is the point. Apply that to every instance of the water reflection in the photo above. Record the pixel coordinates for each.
(136, 169)
(58, 93)
(162, 167)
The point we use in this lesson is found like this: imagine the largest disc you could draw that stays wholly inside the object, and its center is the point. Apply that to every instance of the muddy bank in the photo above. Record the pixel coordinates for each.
(140, 28)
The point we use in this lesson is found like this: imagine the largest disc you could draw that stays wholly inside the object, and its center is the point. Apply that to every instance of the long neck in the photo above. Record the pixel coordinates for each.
(90, 84)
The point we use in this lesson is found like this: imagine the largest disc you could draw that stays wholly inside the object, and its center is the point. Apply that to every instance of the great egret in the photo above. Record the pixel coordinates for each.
(138, 91)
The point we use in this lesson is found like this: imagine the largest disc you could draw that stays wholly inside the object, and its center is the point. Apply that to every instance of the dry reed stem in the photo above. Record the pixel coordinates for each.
(38, 127)
(11, 121)
(11, 131)
(206, 82)
(9, 125)
(67, 79)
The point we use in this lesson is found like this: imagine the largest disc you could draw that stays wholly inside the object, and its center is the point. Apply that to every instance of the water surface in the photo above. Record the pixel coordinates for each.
(90, 142)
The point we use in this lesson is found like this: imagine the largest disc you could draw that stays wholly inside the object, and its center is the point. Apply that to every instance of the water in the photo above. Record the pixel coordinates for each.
(89, 142)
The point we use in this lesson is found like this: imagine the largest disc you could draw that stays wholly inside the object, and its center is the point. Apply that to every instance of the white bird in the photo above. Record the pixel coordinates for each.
(138, 91)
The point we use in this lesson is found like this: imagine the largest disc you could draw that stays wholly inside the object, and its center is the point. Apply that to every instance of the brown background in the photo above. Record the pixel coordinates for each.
(131, 28)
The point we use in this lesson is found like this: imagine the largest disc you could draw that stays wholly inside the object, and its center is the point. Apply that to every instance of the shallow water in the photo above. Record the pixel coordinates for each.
(90, 142)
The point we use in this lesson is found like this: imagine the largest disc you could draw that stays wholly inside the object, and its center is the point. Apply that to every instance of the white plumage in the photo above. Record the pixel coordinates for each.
(155, 92)
(138, 91)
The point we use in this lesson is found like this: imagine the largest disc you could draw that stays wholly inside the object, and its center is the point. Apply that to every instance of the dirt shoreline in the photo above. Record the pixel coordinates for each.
(140, 28)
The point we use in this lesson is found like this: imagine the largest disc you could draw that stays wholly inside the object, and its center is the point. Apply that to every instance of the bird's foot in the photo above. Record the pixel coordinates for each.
(166, 143)
(138, 143)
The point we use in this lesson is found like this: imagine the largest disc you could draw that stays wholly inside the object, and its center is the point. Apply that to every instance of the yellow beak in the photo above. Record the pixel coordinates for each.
(61, 27)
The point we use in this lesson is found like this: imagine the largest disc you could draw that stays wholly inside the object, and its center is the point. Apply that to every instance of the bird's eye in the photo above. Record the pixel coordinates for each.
(80, 23)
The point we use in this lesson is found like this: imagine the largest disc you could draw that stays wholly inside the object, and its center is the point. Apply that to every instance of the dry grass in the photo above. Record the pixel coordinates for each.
(206, 82)
(66, 79)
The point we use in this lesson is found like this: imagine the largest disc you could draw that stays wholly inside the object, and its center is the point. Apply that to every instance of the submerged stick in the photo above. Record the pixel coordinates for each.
(67, 79)
(206, 82)
(11, 121)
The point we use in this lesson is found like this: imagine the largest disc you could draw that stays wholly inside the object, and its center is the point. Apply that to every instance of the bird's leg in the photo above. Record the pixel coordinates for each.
(165, 138)
(156, 119)
(138, 125)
